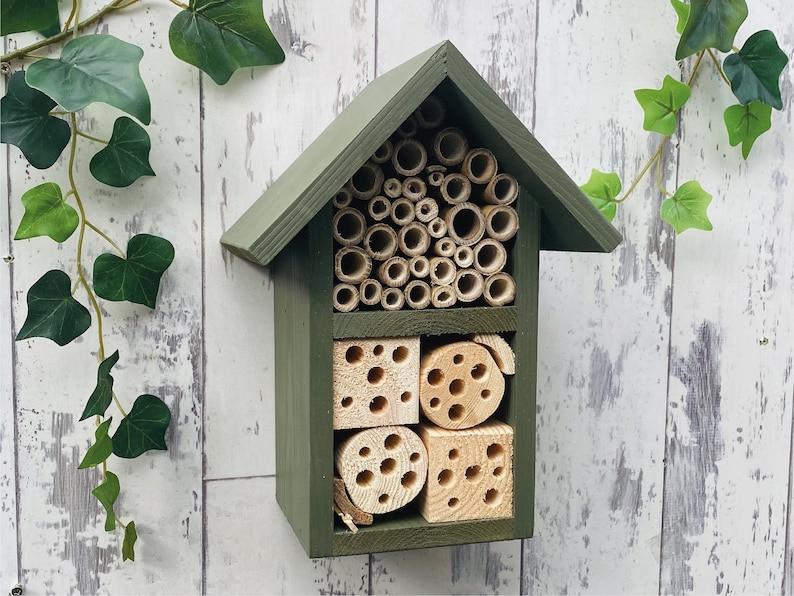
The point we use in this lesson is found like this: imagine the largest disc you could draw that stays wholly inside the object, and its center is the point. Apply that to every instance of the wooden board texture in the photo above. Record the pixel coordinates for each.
(665, 369)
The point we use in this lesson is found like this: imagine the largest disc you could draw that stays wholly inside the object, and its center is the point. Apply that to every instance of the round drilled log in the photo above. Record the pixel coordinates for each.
(450, 146)
(431, 112)
(370, 292)
(419, 266)
(394, 272)
(490, 256)
(417, 294)
(383, 468)
(367, 181)
(502, 353)
(443, 296)
(444, 247)
(392, 188)
(500, 289)
(464, 256)
(392, 299)
(501, 222)
(502, 189)
(343, 198)
(380, 242)
(455, 188)
(437, 227)
(349, 226)
(414, 188)
(383, 153)
(408, 128)
(442, 271)
(465, 223)
(352, 265)
(469, 285)
(479, 166)
(426, 210)
(414, 239)
(344, 297)
(402, 211)
(379, 208)
(409, 157)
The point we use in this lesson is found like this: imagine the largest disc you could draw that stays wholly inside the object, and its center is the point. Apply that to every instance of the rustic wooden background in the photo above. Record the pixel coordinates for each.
(665, 369)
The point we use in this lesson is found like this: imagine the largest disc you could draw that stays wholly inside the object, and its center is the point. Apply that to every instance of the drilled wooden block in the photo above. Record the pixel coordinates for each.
(470, 472)
(376, 382)
(383, 468)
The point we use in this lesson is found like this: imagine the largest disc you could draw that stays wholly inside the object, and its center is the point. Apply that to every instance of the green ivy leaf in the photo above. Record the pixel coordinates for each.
(661, 105)
(682, 10)
(711, 24)
(136, 278)
(46, 214)
(126, 157)
(107, 493)
(25, 122)
(101, 449)
(17, 16)
(52, 312)
(128, 547)
(102, 395)
(94, 68)
(746, 123)
(143, 428)
(687, 208)
(755, 71)
(222, 37)
(602, 189)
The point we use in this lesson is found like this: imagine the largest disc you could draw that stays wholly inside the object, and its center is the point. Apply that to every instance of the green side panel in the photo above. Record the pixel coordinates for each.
(403, 323)
(303, 336)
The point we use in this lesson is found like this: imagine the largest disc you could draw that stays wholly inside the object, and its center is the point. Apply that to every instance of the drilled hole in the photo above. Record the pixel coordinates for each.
(473, 473)
(435, 377)
(435, 403)
(364, 452)
(392, 441)
(485, 394)
(376, 375)
(498, 471)
(347, 402)
(354, 355)
(414, 457)
(400, 354)
(445, 477)
(377, 350)
(409, 479)
(453, 454)
(495, 451)
(457, 387)
(365, 478)
(383, 499)
(387, 466)
(457, 358)
(456, 412)
(492, 497)
(379, 405)
(453, 502)
(406, 397)
(479, 371)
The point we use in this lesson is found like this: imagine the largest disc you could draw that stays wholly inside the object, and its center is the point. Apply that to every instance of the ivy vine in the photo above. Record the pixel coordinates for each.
(753, 73)
(38, 114)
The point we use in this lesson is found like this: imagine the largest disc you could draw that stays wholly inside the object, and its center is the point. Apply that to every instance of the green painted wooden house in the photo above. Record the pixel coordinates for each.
(289, 229)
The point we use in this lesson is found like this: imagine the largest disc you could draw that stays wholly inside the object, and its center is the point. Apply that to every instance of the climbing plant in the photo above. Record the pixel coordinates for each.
(706, 27)
(39, 114)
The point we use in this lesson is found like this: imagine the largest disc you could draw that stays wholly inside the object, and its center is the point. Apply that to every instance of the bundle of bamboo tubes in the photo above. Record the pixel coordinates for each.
(423, 222)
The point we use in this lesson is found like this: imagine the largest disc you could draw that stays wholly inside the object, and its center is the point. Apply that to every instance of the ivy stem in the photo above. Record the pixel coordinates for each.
(118, 404)
(76, 9)
(718, 67)
(179, 4)
(107, 238)
(90, 138)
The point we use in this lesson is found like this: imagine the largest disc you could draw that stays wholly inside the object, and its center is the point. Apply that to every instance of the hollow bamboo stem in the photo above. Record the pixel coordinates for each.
(413, 239)
(349, 226)
(502, 189)
(465, 223)
(343, 198)
(392, 188)
(501, 222)
(419, 266)
(379, 208)
(352, 265)
(383, 153)
(380, 241)
(345, 297)
(444, 247)
(443, 296)
(464, 256)
(437, 227)
(455, 188)
(417, 294)
(426, 210)
(367, 181)
(468, 285)
(490, 256)
(409, 157)
(442, 271)
(430, 113)
(450, 146)
(392, 299)
(414, 188)
(402, 211)
(500, 289)
(394, 272)
(370, 292)
(479, 166)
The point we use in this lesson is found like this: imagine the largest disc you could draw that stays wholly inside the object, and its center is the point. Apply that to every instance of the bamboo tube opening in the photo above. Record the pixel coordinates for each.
(414, 239)
(426, 210)
(455, 188)
(435, 178)
(367, 181)
(501, 222)
(349, 226)
(370, 292)
(352, 265)
(431, 112)
(383, 153)
(450, 146)
(443, 296)
(379, 208)
(394, 272)
(417, 294)
(380, 242)
(490, 256)
(392, 188)
(409, 157)
(500, 289)
(501, 190)
(479, 166)
(442, 271)
(464, 256)
(419, 266)
(408, 128)
(402, 211)
(437, 227)
(344, 297)
(465, 223)
(444, 247)
(468, 285)
(343, 198)
(392, 299)
(414, 188)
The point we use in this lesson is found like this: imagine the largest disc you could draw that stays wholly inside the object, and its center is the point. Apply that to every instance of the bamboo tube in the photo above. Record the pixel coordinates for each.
(501, 223)
(414, 188)
(435, 167)
(455, 188)
(417, 294)
(479, 166)
(443, 296)
(345, 297)
(413, 239)
(367, 181)
(442, 271)
(468, 285)
(383, 153)
(380, 241)
(465, 223)
(392, 188)
(501, 190)
(408, 128)
(379, 208)
(437, 227)
(444, 247)
(450, 146)
(343, 198)
(435, 178)
(394, 272)
(409, 157)
(426, 210)
(463, 257)
(352, 265)
(419, 266)
(349, 226)
(370, 292)
(500, 289)
(392, 299)
(430, 113)
(402, 211)
(490, 256)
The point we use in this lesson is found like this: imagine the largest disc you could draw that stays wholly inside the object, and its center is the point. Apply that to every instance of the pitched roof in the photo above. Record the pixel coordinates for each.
(570, 221)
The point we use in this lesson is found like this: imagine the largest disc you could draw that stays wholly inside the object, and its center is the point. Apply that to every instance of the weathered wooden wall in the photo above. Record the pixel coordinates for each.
(665, 370)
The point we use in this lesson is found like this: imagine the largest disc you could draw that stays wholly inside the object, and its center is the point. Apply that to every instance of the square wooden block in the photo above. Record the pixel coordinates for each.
(470, 472)
(376, 382)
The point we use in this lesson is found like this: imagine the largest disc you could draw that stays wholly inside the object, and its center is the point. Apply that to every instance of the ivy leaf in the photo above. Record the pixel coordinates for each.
(746, 123)
(101, 449)
(17, 16)
(46, 214)
(661, 105)
(128, 547)
(711, 24)
(222, 37)
(52, 312)
(102, 395)
(602, 189)
(687, 208)
(25, 121)
(136, 278)
(94, 68)
(107, 493)
(126, 157)
(143, 428)
(682, 10)
(755, 71)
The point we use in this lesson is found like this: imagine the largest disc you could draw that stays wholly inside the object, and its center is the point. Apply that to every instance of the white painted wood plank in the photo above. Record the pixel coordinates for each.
(732, 352)
(604, 319)
(255, 127)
